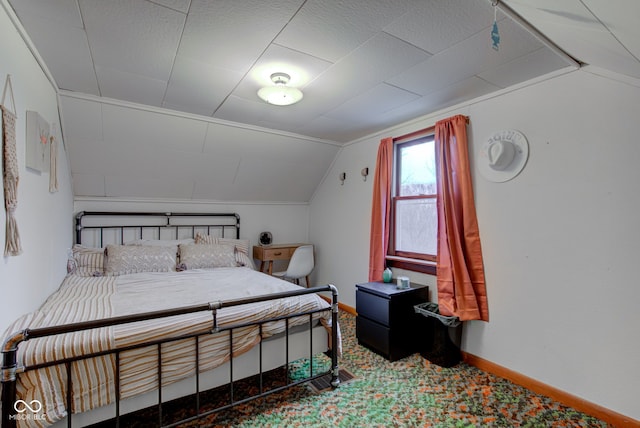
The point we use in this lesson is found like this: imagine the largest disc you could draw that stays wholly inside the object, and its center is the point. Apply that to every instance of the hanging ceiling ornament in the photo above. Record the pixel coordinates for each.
(495, 34)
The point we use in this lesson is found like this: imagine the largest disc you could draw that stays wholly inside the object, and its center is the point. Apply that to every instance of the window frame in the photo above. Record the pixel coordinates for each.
(418, 262)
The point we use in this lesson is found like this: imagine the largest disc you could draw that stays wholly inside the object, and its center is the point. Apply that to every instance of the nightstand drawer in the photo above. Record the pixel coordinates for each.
(373, 307)
(277, 253)
(373, 335)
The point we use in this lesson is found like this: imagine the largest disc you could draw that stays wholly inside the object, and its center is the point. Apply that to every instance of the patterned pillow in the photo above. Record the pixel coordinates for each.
(160, 242)
(86, 261)
(125, 259)
(243, 258)
(203, 256)
(242, 245)
(206, 239)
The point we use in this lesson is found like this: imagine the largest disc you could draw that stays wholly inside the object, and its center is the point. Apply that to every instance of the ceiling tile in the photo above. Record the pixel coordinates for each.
(199, 87)
(621, 20)
(366, 107)
(330, 30)
(264, 158)
(604, 51)
(262, 179)
(263, 143)
(214, 174)
(82, 120)
(88, 185)
(147, 187)
(232, 32)
(131, 129)
(150, 32)
(130, 87)
(467, 58)
(458, 92)
(552, 12)
(61, 12)
(537, 63)
(329, 129)
(371, 64)
(584, 36)
(88, 158)
(65, 50)
(160, 163)
(219, 190)
(179, 5)
(437, 25)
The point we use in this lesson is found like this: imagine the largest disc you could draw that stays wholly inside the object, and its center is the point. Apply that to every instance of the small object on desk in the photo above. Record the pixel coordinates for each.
(403, 282)
(266, 238)
(386, 275)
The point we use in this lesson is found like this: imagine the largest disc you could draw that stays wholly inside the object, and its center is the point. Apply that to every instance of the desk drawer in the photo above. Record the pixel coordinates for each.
(373, 307)
(277, 253)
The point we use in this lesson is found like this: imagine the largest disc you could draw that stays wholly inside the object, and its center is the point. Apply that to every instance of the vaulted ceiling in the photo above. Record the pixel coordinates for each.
(172, 83)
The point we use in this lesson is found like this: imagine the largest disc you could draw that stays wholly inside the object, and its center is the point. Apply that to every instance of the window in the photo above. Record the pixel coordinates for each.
(414, 228)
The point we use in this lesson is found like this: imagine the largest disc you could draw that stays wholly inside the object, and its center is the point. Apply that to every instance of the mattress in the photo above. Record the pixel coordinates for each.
(82, 298)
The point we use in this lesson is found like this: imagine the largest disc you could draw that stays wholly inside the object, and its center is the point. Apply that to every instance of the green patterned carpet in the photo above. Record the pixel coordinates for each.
(408, 393)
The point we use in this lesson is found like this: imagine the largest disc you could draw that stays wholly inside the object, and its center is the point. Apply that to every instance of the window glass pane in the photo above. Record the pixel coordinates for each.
(417, 169)
(416, 226)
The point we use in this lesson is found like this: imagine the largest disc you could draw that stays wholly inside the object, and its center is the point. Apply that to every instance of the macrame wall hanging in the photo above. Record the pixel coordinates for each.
(10, 176)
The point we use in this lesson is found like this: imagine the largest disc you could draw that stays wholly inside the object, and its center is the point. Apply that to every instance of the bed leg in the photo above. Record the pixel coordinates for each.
(335, 377)
(9, 368)
(8, 388)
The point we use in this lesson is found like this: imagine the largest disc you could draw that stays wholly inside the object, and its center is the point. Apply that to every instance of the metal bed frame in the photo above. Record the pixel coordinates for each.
(11, 368)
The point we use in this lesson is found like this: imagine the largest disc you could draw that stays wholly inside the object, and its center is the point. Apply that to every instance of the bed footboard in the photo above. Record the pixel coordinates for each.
(14, 409)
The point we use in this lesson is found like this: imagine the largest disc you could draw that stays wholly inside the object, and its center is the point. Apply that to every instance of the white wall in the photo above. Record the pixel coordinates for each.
(560, 241)
(44, 219)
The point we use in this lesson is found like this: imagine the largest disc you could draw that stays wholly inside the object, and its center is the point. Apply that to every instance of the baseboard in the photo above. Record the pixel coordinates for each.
(341, 306)
(609, 416)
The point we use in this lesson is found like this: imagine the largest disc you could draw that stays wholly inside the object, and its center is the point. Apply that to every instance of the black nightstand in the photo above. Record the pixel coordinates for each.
(386, 320)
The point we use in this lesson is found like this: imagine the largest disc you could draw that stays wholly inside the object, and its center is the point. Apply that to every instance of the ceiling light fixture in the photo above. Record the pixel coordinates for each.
(280, 94)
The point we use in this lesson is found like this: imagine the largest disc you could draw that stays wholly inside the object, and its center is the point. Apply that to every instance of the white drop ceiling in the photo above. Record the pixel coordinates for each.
(123, 66)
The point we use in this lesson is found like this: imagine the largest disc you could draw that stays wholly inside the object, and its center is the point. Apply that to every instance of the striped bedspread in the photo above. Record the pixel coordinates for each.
(88, 298)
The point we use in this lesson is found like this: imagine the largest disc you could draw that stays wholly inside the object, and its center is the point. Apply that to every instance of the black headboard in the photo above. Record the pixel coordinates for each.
(98, 228)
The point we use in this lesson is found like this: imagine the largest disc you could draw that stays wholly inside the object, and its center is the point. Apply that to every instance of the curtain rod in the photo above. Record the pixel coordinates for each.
(510, 13)
(416, 134)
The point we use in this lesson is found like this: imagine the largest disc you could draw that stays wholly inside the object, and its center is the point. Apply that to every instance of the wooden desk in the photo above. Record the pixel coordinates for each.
(267, 254)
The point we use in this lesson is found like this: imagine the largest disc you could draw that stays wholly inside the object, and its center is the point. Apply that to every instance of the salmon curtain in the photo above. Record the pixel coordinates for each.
(461, 284)
(381, 210)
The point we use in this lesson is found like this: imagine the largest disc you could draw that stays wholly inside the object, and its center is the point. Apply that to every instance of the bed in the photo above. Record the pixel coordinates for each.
(158, 306)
